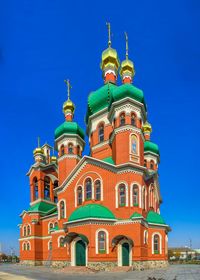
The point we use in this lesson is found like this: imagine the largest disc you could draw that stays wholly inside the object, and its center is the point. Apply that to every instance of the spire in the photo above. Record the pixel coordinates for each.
(38, 152)
(68, 106)
(109, 61)
(127, 71)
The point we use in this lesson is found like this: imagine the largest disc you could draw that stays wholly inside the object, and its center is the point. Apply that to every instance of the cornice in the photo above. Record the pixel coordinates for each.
(123, 128)
(70, 137)
(99, 145)
(41, 166)
(72, 156)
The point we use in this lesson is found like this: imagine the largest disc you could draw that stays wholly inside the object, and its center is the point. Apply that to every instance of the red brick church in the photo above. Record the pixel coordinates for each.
(103, 209)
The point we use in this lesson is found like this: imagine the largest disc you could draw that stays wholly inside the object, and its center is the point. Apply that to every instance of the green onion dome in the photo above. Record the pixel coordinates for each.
(69, 128)
(151, 147)
(155, 218)
(91, 211)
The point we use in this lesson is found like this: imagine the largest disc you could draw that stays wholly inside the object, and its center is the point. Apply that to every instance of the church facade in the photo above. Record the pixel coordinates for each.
(103, 209)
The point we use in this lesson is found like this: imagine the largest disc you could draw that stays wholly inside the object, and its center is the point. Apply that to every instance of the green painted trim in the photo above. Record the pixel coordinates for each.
(109, 160)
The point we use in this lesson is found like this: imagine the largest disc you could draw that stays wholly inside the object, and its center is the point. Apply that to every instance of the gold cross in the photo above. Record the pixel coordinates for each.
(126, 37)
(109, 34)
(38, 142)
(67, 82)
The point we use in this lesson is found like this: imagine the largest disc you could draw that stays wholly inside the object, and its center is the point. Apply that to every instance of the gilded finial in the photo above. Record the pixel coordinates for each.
(67, 82)
(126, 37)
(109, 34)
(38, 142)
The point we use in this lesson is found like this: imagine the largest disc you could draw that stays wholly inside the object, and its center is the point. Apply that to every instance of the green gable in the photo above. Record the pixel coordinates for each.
(43, 208)
(136, 215)
(109, 160)
(69, 128)
(91, 211)
(151, 147)
(154, 218)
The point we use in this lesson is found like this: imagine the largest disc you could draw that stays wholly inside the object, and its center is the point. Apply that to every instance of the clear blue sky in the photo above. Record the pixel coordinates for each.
(42, 42)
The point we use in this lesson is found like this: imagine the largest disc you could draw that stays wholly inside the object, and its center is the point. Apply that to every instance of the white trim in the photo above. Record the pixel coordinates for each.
(131, 194)
(75, 194)
(166, 244)
(101, 182)
(117, 193)
(58, 205)
(49, 226)
(152, 242)
(97, 243)
(84, 180)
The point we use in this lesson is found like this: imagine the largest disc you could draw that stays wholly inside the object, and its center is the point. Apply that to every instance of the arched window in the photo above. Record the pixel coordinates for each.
(61, 242)
(50, 227)
(133, 120)
(144, 199)
(156, 242)
(79, 195)
(122, 195)
(98, 190)
(151, 196)
(47, 188)
(152, 164)
(28, 246)
(101, 132)
(62, 209)
(70, 149)
(56, 224)
(101, 242)
(145, 237)
(28, 230)
(50, 246)
(135, 195)
(24, 246)
(78, 150)
(24, 230)
(134, 145)
(62, 150)
(55, 199)
(145, 163)
(55, 184)
(35, 188)
(122, 119)
(88, 189)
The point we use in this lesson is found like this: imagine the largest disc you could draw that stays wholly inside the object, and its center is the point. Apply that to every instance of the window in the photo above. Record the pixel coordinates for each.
(28, 230)
(98, 190)
(62, 210)
(101, 133)
(79, 195)
(47, 188)
(35, 187)
(56, 224)
(135, 195)
(50, 227)
(55, 184)
(28, 247)
(122, 195)
(24, 246)
(88, 189)
(78, 150)
(102, 242)
(50, 245)
(122, 119)
(55, 199)
(134, 144)
(61, 243)
(156, 240)
(145, 237)
(70, 149)
(152, 164)
(145, 163)
(133, 120)
(144, 198)
(24, 230)
(62, 150)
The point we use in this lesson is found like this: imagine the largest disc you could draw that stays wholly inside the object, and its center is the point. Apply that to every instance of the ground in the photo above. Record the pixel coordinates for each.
(173, 272)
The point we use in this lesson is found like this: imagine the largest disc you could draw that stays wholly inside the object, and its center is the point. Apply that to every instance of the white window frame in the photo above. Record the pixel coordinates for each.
(152, 243)
(107, 240)
(117, 194)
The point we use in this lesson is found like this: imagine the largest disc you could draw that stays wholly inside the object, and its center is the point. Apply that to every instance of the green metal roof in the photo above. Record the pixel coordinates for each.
(153, 217)
(109, 160)
(43, 208)
(104, 96)
(70, 128)
(136, 215)
(91, 211)
(151, 147)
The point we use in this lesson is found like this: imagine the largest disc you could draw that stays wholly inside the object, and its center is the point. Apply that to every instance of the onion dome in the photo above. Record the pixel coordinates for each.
(147, 129)
(109, 62)
(90, 211)
(54, 159)
(38, 153)
(127, 71)
(68, 106)
(155, 218)
(69, 128)
(151, 147)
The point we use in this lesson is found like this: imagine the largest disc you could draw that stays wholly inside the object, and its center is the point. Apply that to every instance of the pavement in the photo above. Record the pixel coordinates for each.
(173, 272)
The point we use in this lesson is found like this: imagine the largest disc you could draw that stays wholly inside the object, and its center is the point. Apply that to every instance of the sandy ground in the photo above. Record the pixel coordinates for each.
(7, 276)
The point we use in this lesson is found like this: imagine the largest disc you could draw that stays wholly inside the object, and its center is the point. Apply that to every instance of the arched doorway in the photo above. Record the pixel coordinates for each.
(80, 253)
(125, 254)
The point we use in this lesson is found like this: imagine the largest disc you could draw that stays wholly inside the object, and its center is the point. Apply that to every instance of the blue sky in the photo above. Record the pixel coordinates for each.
(43, 42)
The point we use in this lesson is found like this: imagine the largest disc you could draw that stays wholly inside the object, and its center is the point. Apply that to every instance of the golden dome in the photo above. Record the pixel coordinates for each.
(53, 159)
(68, 106)
(109, 56)
(147, 127)
(127, 66)
(38, 151)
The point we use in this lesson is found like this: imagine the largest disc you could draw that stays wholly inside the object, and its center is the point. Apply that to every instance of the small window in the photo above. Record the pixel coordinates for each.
(28, 230)
(122, 195)
(24, 230)
(79, 195)
(28, 247)
(55, 199)
(78, 150)
(144, 198)
(50, 227)
(70, 149)
(62, 150)
(102, 242)
(56, 224)
(62, 243)
(156, 241)
(98, 190)
(122, 119)
(62, 210)
(35, 187)
(24, 246)
(133, 120)
(55, 184)
(50, 246)
(145, 237)
(88, 188)
(47, 188)
(151, 164)
(101, 133)
(135, 195)
(145, 163)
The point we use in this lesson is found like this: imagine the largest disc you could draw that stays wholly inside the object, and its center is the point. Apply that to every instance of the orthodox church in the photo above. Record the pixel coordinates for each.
(100, 210)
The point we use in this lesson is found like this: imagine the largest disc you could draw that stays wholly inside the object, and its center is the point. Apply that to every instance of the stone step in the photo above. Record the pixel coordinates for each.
(121, 269)
(77, 269)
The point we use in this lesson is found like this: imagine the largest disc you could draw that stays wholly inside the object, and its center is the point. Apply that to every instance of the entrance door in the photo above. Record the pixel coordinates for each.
(80, 253)
(125, 254)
